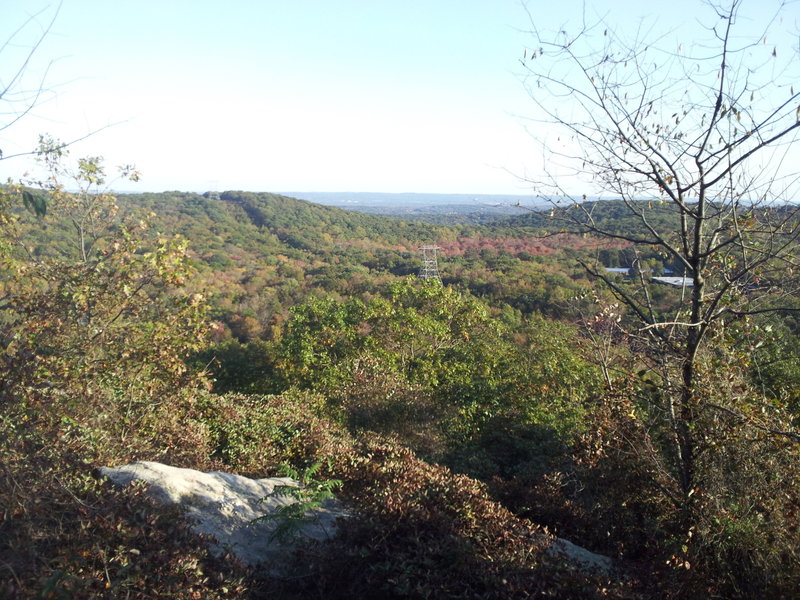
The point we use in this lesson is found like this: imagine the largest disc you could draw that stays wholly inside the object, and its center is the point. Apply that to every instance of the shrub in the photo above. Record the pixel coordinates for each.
(64, 534)
(421, 531)
(255, 435)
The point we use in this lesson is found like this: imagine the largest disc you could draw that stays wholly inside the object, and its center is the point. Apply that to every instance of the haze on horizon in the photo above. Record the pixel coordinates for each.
(309, 95)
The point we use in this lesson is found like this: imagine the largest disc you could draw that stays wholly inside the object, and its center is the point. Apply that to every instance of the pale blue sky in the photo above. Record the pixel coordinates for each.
(275, 95)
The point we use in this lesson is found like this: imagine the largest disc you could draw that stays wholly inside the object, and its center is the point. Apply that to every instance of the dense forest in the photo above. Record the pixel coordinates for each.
(621, 370)
(254, 332)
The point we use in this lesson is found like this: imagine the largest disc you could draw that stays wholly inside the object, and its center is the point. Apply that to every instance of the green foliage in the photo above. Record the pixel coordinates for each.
(304, 499)
(770, 350)
(35, 203)
(320, 332)
(430, 365)
(100, 335)
(92, 372)
(254, 435)
(540, 399)
(104, 324)
(423, 532)
(236, 367)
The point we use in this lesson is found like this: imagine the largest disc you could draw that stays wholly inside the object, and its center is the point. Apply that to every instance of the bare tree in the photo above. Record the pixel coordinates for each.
(698, 143)
(17, 97)
(24, 83)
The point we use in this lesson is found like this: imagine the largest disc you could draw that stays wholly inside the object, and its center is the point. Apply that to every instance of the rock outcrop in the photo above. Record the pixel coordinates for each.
(225, 506)
(580, 556)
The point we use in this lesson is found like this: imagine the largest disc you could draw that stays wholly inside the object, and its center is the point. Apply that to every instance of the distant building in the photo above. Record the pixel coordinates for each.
(665, 280)
(675, 281)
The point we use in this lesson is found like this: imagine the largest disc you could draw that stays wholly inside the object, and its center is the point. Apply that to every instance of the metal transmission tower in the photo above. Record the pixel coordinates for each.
(430, 266)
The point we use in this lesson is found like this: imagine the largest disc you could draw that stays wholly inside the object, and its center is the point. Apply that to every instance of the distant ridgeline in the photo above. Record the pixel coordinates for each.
(235, 224)
(294, 223)
(611, 215)
(614, 215)
(356, 200)
(247, 228)
(429, 208)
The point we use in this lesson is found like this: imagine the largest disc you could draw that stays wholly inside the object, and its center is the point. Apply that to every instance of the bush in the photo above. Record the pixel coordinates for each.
(64, 534)
(421, 531)
(244, 368)
(255, 435)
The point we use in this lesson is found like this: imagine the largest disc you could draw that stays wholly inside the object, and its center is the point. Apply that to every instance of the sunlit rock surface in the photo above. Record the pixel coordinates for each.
(224, 506)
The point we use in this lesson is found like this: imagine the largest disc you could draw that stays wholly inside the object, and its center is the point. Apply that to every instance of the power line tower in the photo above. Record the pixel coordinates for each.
(430, 264)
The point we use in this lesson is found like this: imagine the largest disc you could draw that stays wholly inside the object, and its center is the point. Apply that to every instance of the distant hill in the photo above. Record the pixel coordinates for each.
(607, 214)
(435, 208)
(264, 222)
(407, 200)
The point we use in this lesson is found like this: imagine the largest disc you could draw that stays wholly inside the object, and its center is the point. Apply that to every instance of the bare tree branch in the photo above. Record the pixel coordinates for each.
(696, 148)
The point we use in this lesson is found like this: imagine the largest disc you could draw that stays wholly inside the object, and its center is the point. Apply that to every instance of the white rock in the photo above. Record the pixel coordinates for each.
(581, 556)
(224, 506)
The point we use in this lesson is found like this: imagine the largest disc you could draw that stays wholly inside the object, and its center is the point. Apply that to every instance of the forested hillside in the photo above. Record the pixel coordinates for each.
(258, 254)
(249, 331)
(620, 370)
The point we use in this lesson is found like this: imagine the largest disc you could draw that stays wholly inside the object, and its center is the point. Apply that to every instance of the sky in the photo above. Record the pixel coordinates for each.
(289, 95)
